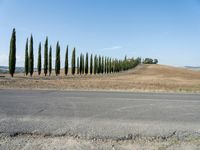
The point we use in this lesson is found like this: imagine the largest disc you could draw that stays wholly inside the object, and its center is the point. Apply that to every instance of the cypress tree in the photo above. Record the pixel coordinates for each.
(46, 57)
(78, 68)
(57, 63)
(26, 58)
(66, 61)
(50, 60)
(86, 64)
(102, 65)
(91, 64)
(73, 62)
(110, 65)
(106, 64)
(39, 59)
(12, 54)
(105, 67)
(83, 66)
(31, 57)
(99, 61)
(115, 65)
(95, 64)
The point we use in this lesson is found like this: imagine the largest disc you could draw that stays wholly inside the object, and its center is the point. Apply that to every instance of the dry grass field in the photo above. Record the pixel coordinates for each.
(150, 78)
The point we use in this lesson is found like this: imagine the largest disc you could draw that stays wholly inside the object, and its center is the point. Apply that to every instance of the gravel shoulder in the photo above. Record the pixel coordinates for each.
(38, 142)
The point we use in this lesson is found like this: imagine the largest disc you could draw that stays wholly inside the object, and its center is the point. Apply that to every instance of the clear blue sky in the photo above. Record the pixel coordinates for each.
(165, 29)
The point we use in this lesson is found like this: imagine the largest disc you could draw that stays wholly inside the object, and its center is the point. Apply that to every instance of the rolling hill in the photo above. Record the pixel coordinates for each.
(153, 78)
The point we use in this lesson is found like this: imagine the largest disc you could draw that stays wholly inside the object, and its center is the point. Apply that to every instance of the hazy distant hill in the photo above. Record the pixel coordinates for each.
(193, 67)
(4, 69)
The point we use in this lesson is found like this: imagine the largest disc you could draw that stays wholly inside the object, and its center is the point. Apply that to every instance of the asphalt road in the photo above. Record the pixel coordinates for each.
(98, 114)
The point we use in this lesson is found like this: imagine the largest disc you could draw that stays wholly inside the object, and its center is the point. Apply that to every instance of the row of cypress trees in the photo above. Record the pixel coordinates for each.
(81, 65)
(104, 64)
(29, 59)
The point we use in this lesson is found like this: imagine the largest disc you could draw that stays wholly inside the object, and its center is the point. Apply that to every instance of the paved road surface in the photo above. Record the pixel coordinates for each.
(97, 114)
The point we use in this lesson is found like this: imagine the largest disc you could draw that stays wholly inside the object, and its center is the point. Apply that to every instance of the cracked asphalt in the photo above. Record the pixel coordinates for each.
(93, 114)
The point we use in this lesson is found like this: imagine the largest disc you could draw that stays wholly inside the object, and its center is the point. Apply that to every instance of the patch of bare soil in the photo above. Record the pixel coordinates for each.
(150, 78)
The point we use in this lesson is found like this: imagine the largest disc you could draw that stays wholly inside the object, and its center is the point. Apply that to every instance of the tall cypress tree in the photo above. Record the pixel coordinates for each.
(73, 62)
(102, 65)
(57, 63)
(99, 64)
(83, 64)
(46, 56)
(26, 58)
(78, 68)
(39, 59)
(115, 65)
(91, 64)
(50, 60)
(95, 64)
(105, 67)
(86, 64)
(66, 61)
(31, 57)
(110, 65)
(12, 54)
